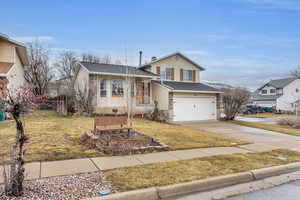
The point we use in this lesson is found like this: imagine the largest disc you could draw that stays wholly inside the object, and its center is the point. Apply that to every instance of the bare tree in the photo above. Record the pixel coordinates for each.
(118, 62)
(86, 57)
(66, 63)
(14, 177)
(296, 72)
(38, 73)
(233, 99)
(106, 59)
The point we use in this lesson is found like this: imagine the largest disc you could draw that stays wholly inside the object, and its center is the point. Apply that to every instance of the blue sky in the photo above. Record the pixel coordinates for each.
(240, 42)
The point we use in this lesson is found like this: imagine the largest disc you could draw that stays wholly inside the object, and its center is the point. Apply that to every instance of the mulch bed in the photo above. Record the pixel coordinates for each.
(123, 143)
(73, 187)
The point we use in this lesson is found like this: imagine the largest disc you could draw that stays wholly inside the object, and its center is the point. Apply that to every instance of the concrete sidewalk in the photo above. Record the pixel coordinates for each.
(38, 170)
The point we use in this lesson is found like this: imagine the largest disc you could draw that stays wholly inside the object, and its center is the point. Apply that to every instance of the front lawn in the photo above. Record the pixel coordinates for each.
(270, 127)
(55, 137)
(270, 115)
(51, 137)
(181, 137)
(166, 173)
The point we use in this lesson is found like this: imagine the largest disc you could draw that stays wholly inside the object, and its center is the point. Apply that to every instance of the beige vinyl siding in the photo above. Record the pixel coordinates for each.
(161, 95)
(7, 52)
(176, 62)
(15, 75)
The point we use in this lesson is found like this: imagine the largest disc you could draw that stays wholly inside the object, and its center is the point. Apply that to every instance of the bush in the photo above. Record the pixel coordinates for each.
(158, 115)
(289, 122)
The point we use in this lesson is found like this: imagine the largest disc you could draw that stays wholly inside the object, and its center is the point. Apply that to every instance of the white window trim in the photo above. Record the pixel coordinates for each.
(106, 87)
(185, 70)
(123, 86)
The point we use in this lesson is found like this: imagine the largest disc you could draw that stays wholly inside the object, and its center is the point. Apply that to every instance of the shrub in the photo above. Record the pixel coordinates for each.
(158, 115)
(289, 122)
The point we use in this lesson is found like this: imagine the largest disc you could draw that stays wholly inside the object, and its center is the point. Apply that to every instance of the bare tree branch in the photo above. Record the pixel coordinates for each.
(233, 99)
(38, 73)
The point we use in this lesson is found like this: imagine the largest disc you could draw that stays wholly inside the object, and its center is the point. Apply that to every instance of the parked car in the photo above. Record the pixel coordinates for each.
(253, 109)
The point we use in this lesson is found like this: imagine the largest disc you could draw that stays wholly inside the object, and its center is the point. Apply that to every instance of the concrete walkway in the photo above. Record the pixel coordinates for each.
(262, 141)
(38, 170)
(261, 138)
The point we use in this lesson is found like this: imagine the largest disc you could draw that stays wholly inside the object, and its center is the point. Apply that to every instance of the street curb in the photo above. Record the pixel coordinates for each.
(203, 185)
(275, 171)
(163, 192)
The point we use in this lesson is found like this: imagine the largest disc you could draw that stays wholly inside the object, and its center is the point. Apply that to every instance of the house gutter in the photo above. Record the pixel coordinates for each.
(115, 74)
(189, 91)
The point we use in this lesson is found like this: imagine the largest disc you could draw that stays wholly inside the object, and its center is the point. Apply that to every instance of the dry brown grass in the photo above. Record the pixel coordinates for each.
(180, 137)
(51, 137)
(271, 127)
(55, 137)
(270, 115)
(188, 170)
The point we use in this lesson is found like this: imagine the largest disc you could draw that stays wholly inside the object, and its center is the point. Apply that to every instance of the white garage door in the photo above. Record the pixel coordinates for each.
(194, 108)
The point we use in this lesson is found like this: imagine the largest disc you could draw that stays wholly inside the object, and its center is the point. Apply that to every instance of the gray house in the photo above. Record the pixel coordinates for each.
(279, 93)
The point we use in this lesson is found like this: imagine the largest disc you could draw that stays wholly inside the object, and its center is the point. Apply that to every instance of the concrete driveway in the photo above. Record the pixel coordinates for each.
(257, 136)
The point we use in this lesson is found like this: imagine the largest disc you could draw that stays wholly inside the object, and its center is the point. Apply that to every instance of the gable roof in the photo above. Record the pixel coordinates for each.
(258, 97)
(174, 54)
(279, 83)
(187, 86)
(21, 48)
(112, 69)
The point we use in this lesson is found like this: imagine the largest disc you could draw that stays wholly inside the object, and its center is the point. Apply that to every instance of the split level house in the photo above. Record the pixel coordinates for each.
(281, 94)
(13, 58)
(173, 81)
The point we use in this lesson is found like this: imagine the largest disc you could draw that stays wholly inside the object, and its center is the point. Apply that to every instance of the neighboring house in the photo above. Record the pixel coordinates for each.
(112, 87)
(173, 81)
(13, 58)
(59, 87)
(179, 92)
(280, 93)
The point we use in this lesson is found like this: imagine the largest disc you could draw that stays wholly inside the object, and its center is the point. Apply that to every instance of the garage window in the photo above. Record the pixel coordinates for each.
(187, 75)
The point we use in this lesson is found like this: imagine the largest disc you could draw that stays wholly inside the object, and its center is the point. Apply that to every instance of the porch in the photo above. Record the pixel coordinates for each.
(117, 94)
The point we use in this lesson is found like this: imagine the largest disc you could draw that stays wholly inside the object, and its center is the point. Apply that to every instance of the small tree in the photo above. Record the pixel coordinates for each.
(38, 72)
(296, 72)
(233, 99)
(18, 102)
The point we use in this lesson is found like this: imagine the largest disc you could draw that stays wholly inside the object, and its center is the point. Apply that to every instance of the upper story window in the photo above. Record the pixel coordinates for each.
(187, 75)
(117, 88)
(166, 74)
(103, 88)
(264, 91)
(272, 91)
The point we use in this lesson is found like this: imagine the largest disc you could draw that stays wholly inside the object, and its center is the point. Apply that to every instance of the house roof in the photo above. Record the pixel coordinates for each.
(21, 48)
(112, 69)
(5, 67)
(187, 86)
(258, 97)
(173, 54)
(280, 83)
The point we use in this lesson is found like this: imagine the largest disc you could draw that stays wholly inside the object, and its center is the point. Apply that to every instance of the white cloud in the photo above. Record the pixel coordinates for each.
(26, 39)
(277, 4)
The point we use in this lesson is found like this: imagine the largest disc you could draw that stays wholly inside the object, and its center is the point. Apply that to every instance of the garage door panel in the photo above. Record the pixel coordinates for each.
(192, 109)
